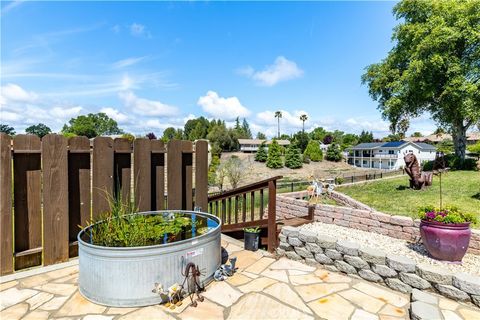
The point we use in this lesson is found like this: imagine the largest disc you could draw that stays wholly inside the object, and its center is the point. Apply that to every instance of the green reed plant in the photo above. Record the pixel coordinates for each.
(122, 227)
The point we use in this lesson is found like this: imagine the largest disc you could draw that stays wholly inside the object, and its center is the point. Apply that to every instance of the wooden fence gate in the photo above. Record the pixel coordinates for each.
(51, 186)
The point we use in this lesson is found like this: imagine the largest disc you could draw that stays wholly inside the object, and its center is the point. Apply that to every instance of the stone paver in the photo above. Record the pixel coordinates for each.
(332, 307)
(363, 300)
(316, 291)
(222, 293)
(262, 288)
(284, 293)
(259, 306)
(78, 305)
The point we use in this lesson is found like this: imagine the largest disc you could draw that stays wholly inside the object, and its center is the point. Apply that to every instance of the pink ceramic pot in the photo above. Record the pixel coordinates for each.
(447, 242)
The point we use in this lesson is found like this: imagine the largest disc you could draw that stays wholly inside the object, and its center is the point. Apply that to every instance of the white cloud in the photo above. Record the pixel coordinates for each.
(365, 124)
(9, 116)
(14, 93)
(139, 30)
(115, 114)
(65, 113)
(223, 108)
(281, 70)
(116, 28)
(127, 62)
(147, 107)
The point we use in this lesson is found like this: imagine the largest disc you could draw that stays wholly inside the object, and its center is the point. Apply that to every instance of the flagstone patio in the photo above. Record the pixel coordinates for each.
(263, 288)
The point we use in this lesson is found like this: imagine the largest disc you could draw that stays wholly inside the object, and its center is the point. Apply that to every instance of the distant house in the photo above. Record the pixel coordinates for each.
(388, 155)
(252, 145)
(472, 138)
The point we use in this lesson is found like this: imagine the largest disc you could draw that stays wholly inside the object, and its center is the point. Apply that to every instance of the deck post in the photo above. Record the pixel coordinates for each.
(272, 216)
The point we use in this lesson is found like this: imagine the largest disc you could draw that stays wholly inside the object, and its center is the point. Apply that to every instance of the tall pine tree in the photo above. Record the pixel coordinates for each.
(261, 155)
(334, 153)
(293, 158)
(313, 151)
(274, 159)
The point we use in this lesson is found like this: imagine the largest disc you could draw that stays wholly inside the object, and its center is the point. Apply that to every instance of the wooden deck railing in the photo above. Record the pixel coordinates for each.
(245, 207)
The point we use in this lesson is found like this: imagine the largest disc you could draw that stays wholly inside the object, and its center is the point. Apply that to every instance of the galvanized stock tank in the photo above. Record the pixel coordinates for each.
(125, 276)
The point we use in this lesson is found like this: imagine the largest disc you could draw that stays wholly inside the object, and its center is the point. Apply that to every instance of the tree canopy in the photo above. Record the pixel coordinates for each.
(274, 159)
(92, 125)
(5, 128)
(433, 67)
(38, 129)
(313, 151)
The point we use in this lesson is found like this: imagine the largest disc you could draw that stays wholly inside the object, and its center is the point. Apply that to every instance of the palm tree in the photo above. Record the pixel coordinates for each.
(303, 118)
(278, 115)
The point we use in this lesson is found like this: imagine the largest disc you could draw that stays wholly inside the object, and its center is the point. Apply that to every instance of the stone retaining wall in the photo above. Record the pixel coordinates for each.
(397, 272)
(291, 205)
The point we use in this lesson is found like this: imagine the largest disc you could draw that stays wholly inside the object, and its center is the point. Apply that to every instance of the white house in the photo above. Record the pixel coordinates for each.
(252, 145)
(388, 155)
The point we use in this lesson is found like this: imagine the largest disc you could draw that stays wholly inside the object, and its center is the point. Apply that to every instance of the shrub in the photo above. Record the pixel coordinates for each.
(339, 180)
(130, 137)
(313, 151)
(334, 153)
(261, 155)
(293, 158)
(274, 159)
(151, 136)
(454, 163)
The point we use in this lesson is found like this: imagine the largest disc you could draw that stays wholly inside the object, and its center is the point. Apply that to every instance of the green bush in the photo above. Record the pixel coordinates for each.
(334, 153)
(313, 151)
(274, 159)
(293, 158)
(261, 155)
(454, 163)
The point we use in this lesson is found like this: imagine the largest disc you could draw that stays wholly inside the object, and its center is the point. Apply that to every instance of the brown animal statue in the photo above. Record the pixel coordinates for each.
(418, 180)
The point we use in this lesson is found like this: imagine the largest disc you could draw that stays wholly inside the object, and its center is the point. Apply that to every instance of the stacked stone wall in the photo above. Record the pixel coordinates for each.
(292, 205)
(395, 271)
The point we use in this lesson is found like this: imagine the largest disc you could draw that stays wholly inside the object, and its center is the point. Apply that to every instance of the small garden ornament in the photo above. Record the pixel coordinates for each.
(418, 179)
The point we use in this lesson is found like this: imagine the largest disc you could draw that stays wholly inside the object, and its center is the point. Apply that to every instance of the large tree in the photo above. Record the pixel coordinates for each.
(5, 128)
(433, 67)
(38, 129)
(92, 125)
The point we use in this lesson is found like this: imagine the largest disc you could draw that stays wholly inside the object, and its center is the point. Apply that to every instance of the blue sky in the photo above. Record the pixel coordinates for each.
(151, 65)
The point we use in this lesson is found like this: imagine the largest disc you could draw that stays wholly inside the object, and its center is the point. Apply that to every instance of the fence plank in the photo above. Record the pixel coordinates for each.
(174, 174)
(201, 174)
(55, 198)
(102, 184)
(122, 169)
(27, 200)
(142, 174)
(187, 175)
(6, 218)
(79, 193)
(158, 175)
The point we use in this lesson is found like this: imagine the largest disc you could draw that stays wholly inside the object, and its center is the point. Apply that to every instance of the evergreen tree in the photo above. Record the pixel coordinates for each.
(293, 158)
(261, 155)
(365, 136)
(274, 159)
(246, 129)
(261, 136)
(334, 153)
(313, 151)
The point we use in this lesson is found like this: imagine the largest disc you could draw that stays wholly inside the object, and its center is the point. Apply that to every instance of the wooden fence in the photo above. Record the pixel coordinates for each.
(51, 186)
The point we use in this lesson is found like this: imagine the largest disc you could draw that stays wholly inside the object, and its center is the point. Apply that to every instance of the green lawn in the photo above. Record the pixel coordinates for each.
(460, 188)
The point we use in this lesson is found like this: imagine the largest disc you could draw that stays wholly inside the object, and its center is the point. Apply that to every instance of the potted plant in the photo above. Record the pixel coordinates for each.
(251, 237)
(445, 232)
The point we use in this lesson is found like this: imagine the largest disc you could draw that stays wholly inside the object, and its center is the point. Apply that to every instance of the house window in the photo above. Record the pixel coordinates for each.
(364, 161)
(380, 151)
(391, 152)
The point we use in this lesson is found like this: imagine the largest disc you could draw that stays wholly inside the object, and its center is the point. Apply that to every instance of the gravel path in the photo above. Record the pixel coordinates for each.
(470, 263)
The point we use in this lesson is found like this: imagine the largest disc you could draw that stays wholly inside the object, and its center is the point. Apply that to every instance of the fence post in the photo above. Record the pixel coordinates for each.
(291, 187)
(353, 177)
(102, 181)
(55, 199)
(6, 218)
(201, 174)
(272, 216)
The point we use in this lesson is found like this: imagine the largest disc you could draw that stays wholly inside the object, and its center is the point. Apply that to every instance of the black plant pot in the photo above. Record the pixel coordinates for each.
(251, 240)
